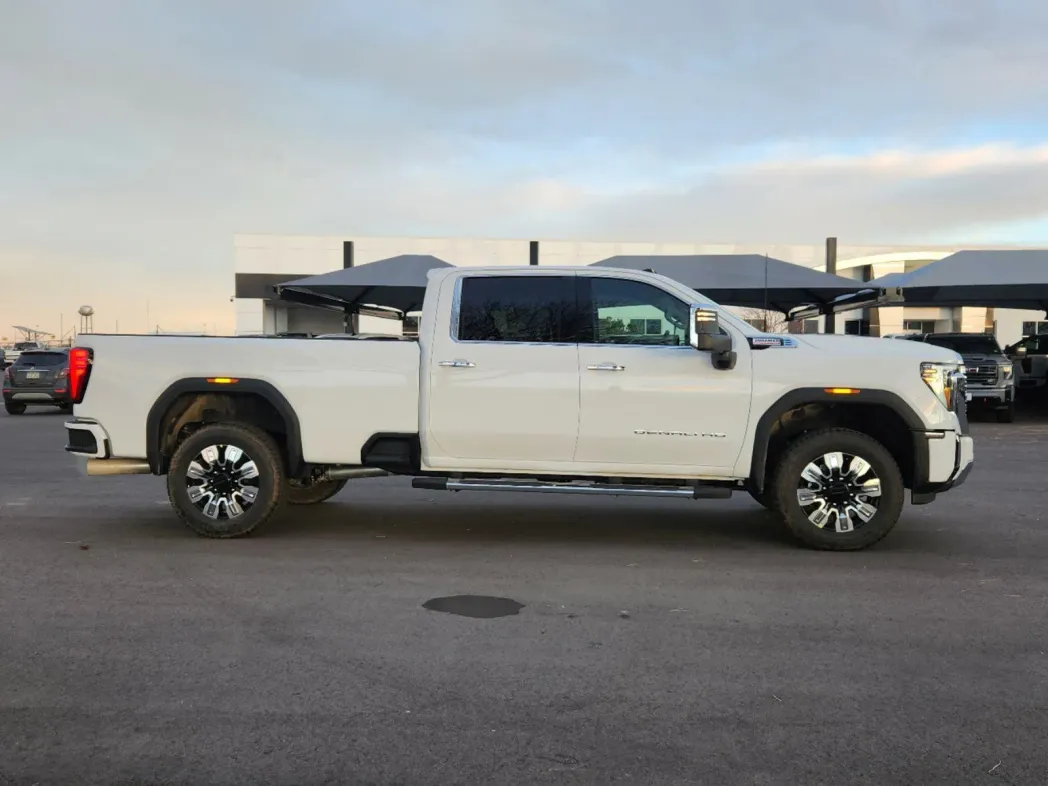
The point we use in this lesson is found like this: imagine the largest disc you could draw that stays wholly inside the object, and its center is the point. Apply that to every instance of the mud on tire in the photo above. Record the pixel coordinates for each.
(226, 479)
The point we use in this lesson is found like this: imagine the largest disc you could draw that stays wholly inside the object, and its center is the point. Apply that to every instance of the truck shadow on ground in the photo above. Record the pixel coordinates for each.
(382, 516)
(482, 522)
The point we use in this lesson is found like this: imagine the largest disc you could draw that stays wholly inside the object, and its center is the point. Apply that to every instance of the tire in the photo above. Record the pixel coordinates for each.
(789, 483)
(313, 494)
(203, 459)
(1006, 415)
(14, 409)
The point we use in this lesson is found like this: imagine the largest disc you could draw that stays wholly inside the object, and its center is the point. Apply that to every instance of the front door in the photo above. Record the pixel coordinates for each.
(504, 379)
(647, 398)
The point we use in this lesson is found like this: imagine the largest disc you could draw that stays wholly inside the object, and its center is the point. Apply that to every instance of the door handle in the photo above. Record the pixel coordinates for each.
(456, 364)
(606, 367)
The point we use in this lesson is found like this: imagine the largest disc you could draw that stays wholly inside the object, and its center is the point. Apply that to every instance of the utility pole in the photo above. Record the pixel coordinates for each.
(831, 267)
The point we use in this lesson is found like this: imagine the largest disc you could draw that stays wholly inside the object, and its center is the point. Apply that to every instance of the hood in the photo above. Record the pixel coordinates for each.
(982, 357)
(868, 345)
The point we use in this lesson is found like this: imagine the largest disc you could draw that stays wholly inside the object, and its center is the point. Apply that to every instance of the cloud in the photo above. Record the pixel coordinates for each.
(888, 196)
(138, 138)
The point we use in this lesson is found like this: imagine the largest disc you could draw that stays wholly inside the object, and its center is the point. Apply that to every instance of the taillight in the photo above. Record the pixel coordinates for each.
(79, 371)
(62, 373)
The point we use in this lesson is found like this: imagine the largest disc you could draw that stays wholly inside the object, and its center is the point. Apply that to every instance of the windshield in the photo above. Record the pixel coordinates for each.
(42, 359)
(22, 345)
(974, 344)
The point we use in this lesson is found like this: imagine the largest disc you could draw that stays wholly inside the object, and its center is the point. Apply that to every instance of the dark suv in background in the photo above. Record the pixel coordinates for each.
(39, 376)
(990, 373)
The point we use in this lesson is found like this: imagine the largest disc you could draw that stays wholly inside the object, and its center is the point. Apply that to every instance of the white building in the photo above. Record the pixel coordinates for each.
(262, 261)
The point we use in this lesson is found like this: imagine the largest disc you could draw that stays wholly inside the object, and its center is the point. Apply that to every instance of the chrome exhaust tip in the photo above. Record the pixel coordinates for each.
(99, 467)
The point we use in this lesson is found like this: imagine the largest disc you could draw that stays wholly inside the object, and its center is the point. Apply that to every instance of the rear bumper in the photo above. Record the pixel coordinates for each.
(947, 461)
(87, 438)
(28, 396)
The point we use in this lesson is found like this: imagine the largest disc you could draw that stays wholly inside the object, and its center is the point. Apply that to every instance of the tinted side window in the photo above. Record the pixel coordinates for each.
(536, 309)
(630, 312)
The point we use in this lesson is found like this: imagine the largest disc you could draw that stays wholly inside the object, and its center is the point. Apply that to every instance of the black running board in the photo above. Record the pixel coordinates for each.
(693, 491)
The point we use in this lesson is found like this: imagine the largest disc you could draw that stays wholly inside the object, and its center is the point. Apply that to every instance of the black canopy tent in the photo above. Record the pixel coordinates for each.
(746, 280)
(991, 279)
(390, 287)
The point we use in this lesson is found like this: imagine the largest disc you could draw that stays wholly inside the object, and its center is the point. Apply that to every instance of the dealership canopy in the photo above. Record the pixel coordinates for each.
(748, 280)
(397, 283)
(1001, 279)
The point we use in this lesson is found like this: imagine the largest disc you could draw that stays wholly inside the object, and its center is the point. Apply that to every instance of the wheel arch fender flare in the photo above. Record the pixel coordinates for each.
(801, 396)
(256, 387)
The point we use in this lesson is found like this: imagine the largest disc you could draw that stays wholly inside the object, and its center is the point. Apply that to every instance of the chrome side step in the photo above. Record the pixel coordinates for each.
(695, 491)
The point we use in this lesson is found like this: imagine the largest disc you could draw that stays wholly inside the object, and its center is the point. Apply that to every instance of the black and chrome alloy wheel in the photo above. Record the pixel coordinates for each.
(225, 479)
(222, 481)
(840, 490)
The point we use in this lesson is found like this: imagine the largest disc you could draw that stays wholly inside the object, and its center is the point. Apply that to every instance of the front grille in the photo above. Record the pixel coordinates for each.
(981, 375)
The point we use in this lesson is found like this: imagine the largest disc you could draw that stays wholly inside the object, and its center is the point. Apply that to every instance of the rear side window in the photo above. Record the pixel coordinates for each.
(532, 309)
(42, 359)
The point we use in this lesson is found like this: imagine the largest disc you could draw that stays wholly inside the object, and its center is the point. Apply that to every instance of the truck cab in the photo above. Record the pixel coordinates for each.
(549, 380)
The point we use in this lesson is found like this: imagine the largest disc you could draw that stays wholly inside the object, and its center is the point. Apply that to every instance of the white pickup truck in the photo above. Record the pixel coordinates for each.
(567, 380)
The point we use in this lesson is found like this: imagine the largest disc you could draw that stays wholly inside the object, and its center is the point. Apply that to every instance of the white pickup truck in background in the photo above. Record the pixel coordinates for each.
(566, 380)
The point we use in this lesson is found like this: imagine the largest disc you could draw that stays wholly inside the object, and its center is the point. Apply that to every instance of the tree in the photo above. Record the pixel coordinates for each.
(767, 321)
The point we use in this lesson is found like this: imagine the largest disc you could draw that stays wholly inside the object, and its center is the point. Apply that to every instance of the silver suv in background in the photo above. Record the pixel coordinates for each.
(990, 373)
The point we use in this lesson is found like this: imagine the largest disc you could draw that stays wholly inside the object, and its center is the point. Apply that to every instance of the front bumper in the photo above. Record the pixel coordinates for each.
(991, 396)
(943, 464)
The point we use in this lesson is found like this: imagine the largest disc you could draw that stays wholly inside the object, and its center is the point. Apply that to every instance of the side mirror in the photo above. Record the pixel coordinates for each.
(706, 336)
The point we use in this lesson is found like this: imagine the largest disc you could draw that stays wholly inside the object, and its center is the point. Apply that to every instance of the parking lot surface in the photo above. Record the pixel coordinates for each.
(646, 642)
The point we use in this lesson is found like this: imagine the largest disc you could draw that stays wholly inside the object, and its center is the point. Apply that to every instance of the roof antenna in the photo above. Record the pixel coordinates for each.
(765, 293)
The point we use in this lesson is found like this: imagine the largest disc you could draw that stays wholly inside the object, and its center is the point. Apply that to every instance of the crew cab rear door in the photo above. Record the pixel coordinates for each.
(649, 401)
(503, 374)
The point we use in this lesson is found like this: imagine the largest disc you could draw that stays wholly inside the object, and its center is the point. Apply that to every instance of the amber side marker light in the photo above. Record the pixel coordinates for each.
(222, 380)
(841, 391)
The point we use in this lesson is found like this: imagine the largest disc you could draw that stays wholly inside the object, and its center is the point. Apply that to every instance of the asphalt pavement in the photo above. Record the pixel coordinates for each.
(614, 640)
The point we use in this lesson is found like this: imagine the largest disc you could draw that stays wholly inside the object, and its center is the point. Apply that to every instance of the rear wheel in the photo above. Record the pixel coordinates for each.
(14, 409)
(225, 480)
(838, 490)
(299, 493)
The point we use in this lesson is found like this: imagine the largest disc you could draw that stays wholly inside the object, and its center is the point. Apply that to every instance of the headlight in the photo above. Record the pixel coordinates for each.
(1007, 370)
(940, 377)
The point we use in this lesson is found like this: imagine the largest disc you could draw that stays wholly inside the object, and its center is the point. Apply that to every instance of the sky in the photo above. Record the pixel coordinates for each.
(137, 138)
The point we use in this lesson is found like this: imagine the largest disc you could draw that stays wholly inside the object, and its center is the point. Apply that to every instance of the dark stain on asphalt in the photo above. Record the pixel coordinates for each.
(482, 607)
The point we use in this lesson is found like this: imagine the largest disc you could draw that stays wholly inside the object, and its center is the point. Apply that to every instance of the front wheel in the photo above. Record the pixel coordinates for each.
(226, 479)
(298, 493)
(1006, 415)
(838, 490)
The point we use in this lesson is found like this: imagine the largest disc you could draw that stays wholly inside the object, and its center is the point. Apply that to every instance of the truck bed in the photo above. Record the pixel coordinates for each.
(323, 381)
